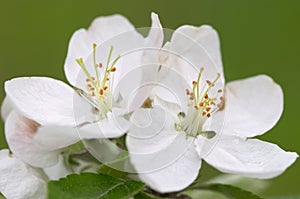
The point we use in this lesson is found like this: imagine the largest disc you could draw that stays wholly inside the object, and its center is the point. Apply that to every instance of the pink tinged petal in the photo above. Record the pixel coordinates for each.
(20, 133)
(18, 180)
(251, 158)
(6, 108)
(44, 100)
(165, 159)
(252, 107)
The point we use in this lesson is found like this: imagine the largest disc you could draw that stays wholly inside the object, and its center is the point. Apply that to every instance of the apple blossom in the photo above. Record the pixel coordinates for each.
(204, 119)
(44, 116)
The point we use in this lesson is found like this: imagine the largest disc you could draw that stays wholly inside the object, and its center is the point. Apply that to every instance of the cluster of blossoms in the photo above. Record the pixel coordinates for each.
(168, 100)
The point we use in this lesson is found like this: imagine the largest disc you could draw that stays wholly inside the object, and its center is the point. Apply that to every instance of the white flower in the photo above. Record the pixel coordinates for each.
(208, 121)
(19, 180)
(43, 115)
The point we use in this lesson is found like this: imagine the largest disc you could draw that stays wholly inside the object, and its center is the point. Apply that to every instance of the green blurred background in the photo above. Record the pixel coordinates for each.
(258, 36)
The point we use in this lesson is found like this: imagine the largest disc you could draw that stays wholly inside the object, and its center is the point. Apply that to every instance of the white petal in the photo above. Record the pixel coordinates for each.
(44, 100)
(171, 88)
(18, 180)
(190, 49)
(115, 125)
(252, 107)
(20, 133)
(6, 108)
(149, 131)
(127, 43)
(55, 137)
(101, 30)
(145, 73)
(57, 171)
(164, 158)
(196, 47)
(155, 37)
(251, 158)
(169, 169)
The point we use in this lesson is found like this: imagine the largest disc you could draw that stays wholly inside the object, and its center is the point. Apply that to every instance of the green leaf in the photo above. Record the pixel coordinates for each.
(93, 186)
(229, 191)
(1, 196)
(104, 169)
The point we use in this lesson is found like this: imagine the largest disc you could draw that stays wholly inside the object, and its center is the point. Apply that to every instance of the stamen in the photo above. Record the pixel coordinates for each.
(181, 114)
(192, 96)
(113, 69)
(198, 81)
(78, 91)
(187, 91)
(95, 62)
(208, 82)
(98, 88)
(109, 55)
(101, 92)
(220, 106)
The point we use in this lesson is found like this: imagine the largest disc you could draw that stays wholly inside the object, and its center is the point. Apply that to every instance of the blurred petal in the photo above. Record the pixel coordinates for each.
(6, 108)
(44, 100)
(252, 107)
(20, 133)
(19, 180)
(251, 158)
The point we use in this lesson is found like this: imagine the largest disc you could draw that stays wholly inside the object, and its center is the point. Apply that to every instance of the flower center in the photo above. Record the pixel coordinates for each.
(201, 107)
(99, 89)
